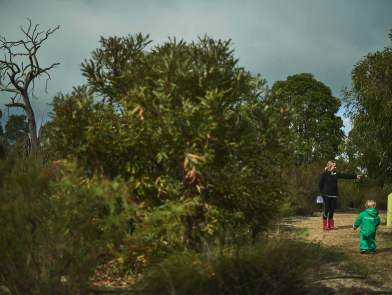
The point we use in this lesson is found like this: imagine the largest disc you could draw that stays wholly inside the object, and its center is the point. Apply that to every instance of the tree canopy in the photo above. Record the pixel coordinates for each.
(316, 127)
(370, 108)
(16, 128)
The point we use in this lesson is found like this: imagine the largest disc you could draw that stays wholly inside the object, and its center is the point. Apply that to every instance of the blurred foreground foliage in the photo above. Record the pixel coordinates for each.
(56, 225)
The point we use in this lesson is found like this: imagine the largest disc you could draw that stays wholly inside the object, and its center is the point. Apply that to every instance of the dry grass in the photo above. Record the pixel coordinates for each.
(345, 240)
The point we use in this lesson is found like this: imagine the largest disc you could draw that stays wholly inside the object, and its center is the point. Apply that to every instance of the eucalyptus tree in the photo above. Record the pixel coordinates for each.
(313, 118)
(370, 109)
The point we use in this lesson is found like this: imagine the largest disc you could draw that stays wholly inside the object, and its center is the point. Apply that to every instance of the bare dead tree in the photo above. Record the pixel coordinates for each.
(19, 70)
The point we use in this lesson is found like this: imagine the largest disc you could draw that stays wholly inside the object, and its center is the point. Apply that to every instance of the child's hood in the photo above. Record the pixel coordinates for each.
(372, 212)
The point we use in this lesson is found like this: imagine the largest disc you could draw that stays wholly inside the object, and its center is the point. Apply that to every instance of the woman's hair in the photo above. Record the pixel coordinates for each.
(370, 204)
(329, 165)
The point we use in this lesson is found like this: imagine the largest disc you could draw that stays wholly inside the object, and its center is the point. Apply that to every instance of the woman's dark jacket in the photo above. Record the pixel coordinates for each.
(328, 184)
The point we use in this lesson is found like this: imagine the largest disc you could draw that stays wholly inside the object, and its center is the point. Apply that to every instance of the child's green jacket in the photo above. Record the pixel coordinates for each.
(368, 220)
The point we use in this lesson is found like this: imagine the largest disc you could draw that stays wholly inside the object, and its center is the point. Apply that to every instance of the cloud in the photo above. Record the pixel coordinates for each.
(276, 38)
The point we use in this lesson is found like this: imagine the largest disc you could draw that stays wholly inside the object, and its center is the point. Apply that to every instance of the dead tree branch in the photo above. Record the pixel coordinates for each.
(19, 69)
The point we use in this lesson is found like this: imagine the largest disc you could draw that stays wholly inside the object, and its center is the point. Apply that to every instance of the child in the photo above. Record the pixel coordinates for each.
(368, 220)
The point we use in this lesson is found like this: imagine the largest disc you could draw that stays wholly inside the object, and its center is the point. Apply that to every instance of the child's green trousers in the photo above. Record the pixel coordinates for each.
(367, 243)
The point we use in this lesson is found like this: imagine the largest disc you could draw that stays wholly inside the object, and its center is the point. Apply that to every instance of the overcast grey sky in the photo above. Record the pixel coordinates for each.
(275, 38)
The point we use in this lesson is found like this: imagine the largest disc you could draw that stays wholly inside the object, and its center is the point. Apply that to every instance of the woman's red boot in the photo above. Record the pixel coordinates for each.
(331, 224)
(325, 225)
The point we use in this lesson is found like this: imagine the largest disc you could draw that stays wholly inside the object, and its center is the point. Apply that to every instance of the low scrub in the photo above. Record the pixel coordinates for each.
(55, 227)
(267, 267)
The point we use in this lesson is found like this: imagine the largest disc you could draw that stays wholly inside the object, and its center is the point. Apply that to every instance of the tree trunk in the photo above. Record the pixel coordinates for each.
(34, 143)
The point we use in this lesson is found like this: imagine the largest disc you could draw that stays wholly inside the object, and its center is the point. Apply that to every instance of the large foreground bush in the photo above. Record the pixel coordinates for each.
(181, 122)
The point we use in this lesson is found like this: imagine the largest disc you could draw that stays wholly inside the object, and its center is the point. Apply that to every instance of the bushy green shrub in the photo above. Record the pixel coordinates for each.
(372, 190)
(302, 189)
(180, 120)
(163, 230)
(55, 225)
(267, 267)
(350, 195)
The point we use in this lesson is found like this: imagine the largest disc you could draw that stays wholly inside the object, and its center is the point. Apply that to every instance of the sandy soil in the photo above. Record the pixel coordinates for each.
(345, 240)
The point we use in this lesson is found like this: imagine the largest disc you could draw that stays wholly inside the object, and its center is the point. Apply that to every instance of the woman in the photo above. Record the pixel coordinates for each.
(329, 190)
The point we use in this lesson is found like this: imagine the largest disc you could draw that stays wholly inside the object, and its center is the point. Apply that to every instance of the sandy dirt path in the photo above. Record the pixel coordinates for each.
(345, 240)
